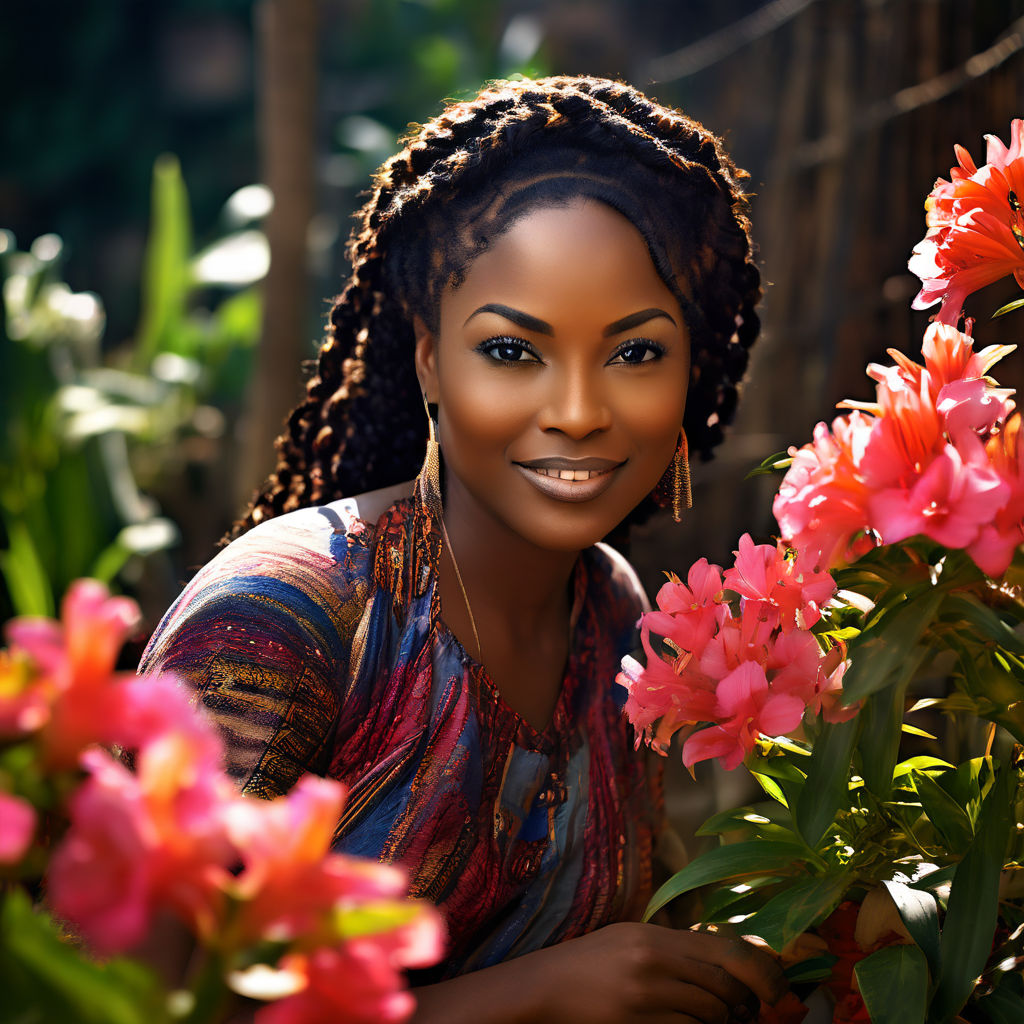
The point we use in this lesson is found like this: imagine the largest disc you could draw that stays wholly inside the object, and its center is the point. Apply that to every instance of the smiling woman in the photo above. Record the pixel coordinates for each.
(561, 271)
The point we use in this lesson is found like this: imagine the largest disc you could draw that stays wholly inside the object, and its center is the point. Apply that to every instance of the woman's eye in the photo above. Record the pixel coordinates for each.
(508, 350)
(633, 352)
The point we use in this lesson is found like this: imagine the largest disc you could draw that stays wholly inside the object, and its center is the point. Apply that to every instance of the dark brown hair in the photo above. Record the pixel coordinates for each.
(458, 183)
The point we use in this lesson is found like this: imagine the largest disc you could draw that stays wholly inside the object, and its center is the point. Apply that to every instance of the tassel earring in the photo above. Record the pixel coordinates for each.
(428, 482)
(682, 495)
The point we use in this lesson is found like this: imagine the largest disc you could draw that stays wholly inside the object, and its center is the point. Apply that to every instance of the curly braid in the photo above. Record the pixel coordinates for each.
(459, 182)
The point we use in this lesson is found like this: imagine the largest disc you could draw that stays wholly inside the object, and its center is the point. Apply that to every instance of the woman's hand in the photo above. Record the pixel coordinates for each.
(645, 972)
(617, 974)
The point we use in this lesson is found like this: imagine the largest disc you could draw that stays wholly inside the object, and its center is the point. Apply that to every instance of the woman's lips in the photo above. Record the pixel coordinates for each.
(569, 479)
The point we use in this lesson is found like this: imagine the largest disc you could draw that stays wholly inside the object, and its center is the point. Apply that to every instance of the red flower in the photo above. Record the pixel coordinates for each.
(975, 227)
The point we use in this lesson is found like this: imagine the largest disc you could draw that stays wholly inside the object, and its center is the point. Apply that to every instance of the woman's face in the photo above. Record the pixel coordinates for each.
(560, 370)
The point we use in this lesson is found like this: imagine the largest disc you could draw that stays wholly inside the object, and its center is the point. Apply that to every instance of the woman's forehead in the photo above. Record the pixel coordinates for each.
(578, 258)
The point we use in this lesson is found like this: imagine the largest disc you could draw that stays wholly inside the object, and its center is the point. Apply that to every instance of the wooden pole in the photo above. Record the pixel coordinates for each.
(286, 40)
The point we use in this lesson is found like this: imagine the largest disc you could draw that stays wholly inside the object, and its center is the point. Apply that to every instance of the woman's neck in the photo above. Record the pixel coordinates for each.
(514, 592)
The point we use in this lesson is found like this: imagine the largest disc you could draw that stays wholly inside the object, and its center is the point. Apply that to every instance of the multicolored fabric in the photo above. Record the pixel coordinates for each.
(316, 643)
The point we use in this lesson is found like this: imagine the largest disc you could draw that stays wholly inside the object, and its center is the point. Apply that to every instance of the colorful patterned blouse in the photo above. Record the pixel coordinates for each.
(315, 642)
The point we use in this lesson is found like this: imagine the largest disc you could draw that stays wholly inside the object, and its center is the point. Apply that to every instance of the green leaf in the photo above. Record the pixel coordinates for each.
(722, 903)
(817, 968)
(771, 787)
(986, 624)
(374, 918)
(894, 984)
(752, 823)
(773, 464)
(922, 762)
(879, 742)
(968, 784)
(734, 861)
(1005, 1003)
(45, 979)
(798, 907)
(166, 268)
(24, 573)
(1008, 308)
(919, 911)
(948, 817)
(827, 780)
(881, 655)
(972, 910)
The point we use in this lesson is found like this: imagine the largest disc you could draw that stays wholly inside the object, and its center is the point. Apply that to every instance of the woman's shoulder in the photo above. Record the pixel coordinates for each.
(613, 580)
(303, 575)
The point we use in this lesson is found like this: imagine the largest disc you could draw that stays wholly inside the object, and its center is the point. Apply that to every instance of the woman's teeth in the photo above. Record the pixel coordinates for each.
(569, 474)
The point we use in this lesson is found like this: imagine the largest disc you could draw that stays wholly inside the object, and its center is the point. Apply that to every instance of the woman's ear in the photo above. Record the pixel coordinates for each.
(426, 358)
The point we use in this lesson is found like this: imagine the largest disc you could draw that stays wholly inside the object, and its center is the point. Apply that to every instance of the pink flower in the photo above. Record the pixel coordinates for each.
(292, 887)
(75, 660)
(997, 540)
(950, 502)
(975, 227)
(949, 356)
(145, 841)
(25, 696)
(792, 592)
(17, 826)
(821, 506)
(359, 981)
(688, 612)
(747, 707)
(672, 697)
(290, 882)
(972, 406)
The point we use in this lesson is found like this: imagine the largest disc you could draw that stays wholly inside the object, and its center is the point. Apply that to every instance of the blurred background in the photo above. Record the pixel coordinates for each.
(176, 183)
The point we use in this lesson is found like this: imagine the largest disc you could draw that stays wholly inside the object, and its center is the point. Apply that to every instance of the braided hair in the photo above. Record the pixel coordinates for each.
(459, 182)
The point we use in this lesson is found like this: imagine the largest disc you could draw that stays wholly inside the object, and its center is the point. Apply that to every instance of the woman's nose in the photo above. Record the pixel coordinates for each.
(575, 406)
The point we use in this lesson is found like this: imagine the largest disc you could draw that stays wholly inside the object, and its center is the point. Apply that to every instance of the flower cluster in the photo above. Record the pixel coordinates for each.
(935, 454)
(750, 665)
(172, 835)
(975, 227)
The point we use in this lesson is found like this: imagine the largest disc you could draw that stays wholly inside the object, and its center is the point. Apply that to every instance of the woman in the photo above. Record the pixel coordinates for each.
(555, 269)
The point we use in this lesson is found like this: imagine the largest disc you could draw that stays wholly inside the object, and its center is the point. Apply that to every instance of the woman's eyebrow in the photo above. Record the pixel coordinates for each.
(532, 323)
(517, 316)
(635, 319)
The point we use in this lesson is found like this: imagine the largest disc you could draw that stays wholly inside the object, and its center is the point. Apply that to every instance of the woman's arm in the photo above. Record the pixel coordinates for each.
(617, 974)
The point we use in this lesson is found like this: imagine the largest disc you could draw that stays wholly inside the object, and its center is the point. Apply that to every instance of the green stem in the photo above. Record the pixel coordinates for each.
(212, 996)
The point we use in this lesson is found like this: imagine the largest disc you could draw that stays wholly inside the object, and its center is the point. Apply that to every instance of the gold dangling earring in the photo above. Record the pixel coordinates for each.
(428, 482)
(428, 485)
(682, 495)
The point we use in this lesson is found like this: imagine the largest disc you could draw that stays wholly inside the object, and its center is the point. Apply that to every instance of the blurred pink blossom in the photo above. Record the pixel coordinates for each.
(76, 694)
(360, 981)
(290, 881)
(17, 827)
(145, 841)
